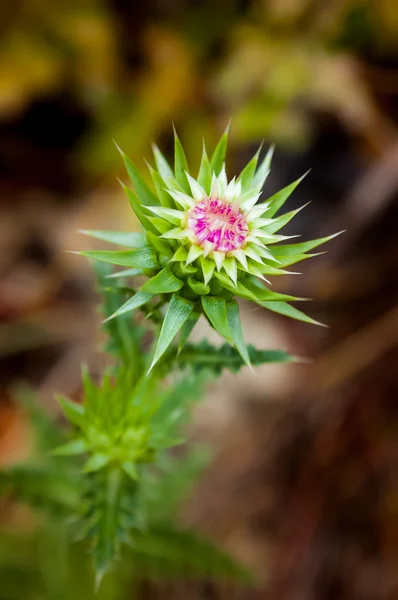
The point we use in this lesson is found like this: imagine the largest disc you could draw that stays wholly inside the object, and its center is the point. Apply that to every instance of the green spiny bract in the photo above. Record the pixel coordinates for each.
(207, 241)
(124, 423)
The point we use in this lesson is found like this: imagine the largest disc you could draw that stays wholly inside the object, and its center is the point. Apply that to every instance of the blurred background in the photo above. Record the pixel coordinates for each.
(303, 487)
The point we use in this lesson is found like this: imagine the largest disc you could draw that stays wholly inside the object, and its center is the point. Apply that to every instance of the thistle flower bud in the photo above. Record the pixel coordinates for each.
(208, 241)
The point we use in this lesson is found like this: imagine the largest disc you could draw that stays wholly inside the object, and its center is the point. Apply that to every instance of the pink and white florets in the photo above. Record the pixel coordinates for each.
(220, 223)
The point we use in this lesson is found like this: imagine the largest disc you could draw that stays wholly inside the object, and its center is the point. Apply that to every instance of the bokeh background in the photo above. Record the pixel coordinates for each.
(303, 487)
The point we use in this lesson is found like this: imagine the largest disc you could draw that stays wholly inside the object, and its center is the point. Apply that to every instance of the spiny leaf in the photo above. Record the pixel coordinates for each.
(283, 220)
(206, 356)
(180, 164)
(144, 193)
(96, 462)
(263, 170)
(144, 258)
(204, 176)
(278, 200)
(187, 328)
(73, 411)
(247, 174)
(72, 448)
(288, 250)
(137, 208)
(218, 158)
(162, 164)
(168, 553)
(159, 244)
(163, 283)
(124, 273)
(283, 308)
(159, 183)
(138, 300)
(121, 238)
(216, 310)
(200, 288)
(177, 313)
(235, 328)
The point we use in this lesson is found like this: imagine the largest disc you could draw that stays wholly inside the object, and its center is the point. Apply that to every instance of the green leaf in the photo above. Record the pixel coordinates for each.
(205, 356)
(247, 174)
(263, 170)
(163, 283)
(255, 294)
(187, 328)
(73, 411)
(218, 158)
(208, 267)
(290, 250)
(198, 287)
(168, 553)
(180, 165)
(121, 238)
(138, 300)
(283, 220)
(96, 462)
(177, 313)
(124, 273)
(158, 182)
(144, 193)
(235, 328)
(216, 311)
(130, 469)
(278, 200)
(180, 254)
(204, 175)
(287, 310)
(72, 448)
(295, 258)
(144, 258)
(162, 164)
(159, 244)
(137, 208)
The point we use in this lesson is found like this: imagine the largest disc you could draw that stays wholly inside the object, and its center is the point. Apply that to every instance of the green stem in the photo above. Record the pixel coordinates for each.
(109, 524)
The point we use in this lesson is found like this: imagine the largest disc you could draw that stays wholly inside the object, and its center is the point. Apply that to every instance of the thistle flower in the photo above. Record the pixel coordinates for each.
(207, 241)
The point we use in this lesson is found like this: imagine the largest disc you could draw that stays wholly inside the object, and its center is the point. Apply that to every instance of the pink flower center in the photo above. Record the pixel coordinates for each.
(218, 222)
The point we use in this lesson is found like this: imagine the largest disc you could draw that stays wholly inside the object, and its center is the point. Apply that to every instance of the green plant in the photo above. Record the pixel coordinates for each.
(205, 242)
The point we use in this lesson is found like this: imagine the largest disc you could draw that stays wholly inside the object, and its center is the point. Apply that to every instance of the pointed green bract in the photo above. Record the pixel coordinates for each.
(136, 206)
(216, 311)
(125, 273)
(278, 200)
(144, 258)
(121, 238)
(218, 158)
(159, 244)
(198, 287)
(204, 175)
(283, 308)
(247, 174)
(288, 250)
(165, 282)
(177, 313)
(180, 164)
(263, 170)
(164, 197)
(235, 328)
(187, 328)
(163, 167)
(145, 194)
(73, 411)
(138, 300)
